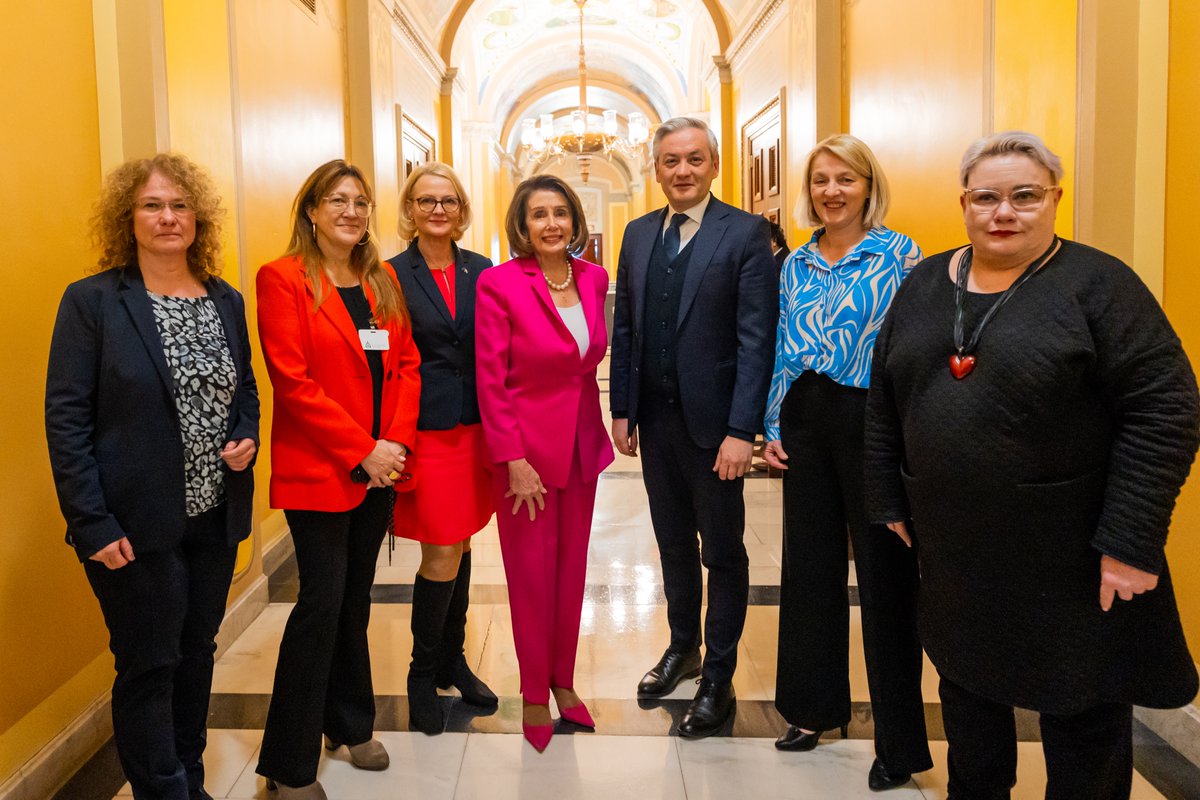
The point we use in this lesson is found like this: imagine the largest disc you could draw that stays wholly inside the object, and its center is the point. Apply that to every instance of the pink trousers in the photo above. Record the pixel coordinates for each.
(545, 562)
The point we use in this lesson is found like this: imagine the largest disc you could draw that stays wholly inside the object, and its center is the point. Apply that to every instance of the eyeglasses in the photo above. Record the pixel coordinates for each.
(1022, 198)
(339, 204)
(428, 204)
(179, 208)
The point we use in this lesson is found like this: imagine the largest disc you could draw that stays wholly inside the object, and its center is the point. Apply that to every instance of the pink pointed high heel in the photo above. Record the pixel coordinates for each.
(538, 735)
(579, 715)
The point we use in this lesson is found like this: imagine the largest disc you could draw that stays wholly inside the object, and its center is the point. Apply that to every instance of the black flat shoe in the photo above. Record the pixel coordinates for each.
(880, 780)
(709, 712)
(797, 741)
(672, 668)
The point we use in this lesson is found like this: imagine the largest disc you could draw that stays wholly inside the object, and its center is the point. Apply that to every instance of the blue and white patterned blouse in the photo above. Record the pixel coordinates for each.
(829, 316)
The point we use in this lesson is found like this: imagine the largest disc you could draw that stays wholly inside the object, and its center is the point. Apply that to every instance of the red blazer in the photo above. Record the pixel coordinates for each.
(323, 408)
(537, 397)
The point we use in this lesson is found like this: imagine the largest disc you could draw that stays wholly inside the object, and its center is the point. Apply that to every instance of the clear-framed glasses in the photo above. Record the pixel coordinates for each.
(362, 206)
(428, 204)
(1022, 198)
(154, 207)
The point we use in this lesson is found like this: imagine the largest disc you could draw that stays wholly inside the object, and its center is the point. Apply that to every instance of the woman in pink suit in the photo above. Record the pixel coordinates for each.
(539, 336)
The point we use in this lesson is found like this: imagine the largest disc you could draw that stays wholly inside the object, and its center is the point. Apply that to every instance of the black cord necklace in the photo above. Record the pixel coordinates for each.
(963, 360)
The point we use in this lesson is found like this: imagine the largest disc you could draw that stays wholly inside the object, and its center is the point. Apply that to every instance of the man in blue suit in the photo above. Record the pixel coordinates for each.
(692, 352)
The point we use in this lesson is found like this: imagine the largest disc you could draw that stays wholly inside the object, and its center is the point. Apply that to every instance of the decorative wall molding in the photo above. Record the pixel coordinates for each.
(449, 79)
(753, 32)
(410, 33)
(724, 71)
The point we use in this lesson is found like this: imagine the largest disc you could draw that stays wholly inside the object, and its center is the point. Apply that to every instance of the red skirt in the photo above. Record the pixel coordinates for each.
(451, 498)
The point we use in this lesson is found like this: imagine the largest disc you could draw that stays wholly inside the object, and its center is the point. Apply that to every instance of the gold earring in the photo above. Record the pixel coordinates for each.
(314, 230)
(366, 237)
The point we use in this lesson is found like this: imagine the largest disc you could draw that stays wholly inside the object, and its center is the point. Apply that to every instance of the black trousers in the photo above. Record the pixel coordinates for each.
(687, 497)
(1088, 755)
(163, 611)
(323, 678)
(821, 429)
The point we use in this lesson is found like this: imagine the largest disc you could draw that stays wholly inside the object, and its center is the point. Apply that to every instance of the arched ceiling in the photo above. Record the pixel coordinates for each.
(519, 53)
(444, 16)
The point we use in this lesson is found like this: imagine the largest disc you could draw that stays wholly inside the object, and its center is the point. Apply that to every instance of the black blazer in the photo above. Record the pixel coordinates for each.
(111, 424)
(447, 344)
(725, 333)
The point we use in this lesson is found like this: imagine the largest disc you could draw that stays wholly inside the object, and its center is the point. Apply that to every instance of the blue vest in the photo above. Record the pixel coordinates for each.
(664, 286)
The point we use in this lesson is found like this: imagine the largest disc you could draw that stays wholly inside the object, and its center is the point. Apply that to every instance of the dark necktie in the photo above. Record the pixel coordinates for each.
(671, 236)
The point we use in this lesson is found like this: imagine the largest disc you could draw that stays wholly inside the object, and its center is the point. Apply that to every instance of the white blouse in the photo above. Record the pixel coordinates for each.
(572, 317)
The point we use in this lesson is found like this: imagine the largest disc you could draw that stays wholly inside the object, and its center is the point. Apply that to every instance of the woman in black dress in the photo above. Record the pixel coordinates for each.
(1032, 417)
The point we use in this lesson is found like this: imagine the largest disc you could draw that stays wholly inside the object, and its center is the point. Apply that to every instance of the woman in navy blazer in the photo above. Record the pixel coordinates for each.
(451, 495)
(152, 424)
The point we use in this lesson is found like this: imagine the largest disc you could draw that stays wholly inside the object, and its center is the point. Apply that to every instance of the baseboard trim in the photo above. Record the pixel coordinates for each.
(277, 552)
(1178, 727)
(52, 766)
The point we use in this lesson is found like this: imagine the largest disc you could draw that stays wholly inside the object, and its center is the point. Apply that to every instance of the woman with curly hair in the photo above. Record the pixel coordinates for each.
(338, 344)
(152, 423)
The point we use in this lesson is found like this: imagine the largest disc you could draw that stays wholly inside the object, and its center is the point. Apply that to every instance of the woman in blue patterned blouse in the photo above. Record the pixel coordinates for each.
(834, 293)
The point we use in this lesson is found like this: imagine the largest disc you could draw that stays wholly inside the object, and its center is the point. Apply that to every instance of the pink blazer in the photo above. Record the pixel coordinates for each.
(537, 397)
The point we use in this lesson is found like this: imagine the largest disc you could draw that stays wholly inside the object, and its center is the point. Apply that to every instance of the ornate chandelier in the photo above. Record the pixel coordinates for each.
(539, 142)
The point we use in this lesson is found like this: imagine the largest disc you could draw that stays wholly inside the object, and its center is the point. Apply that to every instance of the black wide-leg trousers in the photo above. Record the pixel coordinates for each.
(323, 677)
(687, 498)
(821, 429)
(163, 611)
(1088, 755)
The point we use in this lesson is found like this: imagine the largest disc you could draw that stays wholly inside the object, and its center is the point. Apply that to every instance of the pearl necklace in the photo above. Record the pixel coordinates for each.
(559, 287)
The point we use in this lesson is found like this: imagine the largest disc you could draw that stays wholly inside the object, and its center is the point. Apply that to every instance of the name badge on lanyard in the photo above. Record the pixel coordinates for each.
(373, 339)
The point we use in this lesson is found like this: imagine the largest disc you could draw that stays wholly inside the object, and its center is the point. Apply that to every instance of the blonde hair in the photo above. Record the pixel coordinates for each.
(112, 216)
(364, 258)
(517, 229)
(407, 227)
(859, 158)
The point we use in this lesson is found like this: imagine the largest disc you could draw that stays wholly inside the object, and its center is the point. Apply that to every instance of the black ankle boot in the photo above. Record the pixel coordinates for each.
(453, 669)
(430, 600)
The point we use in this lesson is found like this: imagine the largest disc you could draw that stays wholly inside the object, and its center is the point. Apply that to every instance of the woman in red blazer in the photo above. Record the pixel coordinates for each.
(343, 366)
(539, 336)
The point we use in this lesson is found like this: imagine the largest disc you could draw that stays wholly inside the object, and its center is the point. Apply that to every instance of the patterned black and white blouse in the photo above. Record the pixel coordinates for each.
(197, 352)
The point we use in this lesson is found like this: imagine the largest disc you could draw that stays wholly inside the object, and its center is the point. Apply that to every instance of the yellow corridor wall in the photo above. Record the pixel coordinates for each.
(1181, 283)
(50, 626)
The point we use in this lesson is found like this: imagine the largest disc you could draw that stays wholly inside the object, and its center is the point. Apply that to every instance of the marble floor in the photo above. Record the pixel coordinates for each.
(634, 752)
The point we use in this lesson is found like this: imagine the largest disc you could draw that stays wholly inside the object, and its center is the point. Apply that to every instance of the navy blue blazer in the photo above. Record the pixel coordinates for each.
(447, 344)
(115, 444)
(725, 332)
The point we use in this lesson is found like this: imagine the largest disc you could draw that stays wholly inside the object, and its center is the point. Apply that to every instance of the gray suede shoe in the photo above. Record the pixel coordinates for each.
(311, 792)
(368, 755)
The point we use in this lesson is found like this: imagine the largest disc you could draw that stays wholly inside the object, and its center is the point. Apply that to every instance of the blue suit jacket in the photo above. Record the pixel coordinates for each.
(725, 332)
(111, 423)
(447, 344)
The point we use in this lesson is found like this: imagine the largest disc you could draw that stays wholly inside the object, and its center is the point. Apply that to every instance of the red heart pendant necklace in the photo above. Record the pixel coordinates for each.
(963, 360)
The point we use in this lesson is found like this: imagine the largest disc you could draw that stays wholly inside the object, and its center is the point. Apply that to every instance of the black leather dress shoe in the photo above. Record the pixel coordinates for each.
(672, 668)
(709, 712)
(879, 779)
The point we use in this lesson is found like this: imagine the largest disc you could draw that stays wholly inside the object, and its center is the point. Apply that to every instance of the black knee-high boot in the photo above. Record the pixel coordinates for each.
(430, 601)
(452, 664)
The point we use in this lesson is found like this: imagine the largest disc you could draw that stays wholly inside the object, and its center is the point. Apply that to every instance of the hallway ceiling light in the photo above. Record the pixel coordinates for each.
(539, 142)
